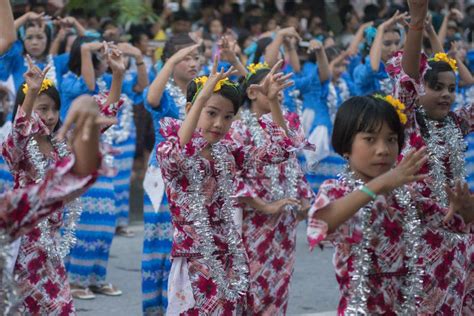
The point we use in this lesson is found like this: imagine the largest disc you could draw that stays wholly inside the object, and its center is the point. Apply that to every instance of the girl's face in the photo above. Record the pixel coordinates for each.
(373, 153)
(216, 118)
(102, 67)
(260, 102)
(272, 25)
(47, 110)
(215, 27)
(437, 100)
(188, 68)
(207, 49)
(390, 44)
(35, 41)
(339, 69)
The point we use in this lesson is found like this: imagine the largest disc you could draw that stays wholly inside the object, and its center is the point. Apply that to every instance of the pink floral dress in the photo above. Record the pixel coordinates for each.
(45, 287)
(270, 240)
(21, 209)
(388, 269)
(447, 147)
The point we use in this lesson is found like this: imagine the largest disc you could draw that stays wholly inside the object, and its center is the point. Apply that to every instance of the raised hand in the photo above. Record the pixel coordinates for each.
(129, 50)
(274, 82)
(461, 202)
(227, 49)
(396, 18)
(214, 77)
(406, 171)
(418, 10)
(183, 52)
(314, 46)
(34, 76)
(289, 32)
(83, 115)
(115, 60)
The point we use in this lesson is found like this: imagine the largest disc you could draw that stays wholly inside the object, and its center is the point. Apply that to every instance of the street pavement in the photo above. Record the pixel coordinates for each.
(314, 289)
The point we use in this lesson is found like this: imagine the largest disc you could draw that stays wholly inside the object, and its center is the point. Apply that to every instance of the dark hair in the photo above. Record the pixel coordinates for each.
(251, 79)
(332, 52)
(47, 32)
(260, 51)
(63, 44)
(51, 92)
(175, 43)
(363, 114)
(371, 12)
(232, 93)
(435, 67)
(75, 55)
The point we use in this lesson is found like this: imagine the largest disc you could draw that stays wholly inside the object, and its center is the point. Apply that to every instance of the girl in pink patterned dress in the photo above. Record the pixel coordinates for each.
(282, 197)
(375, 221)
(209, 273)
(428, 89)
(22, 208)
(30, 151)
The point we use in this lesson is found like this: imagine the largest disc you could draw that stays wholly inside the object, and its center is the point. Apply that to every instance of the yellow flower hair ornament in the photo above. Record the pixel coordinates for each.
(201, 81)
(445, 57)
(45, 85)
(397, 105)
(253, 68)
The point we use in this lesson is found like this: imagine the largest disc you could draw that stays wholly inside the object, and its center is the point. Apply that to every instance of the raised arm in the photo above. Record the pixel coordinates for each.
(376, 49)
(291, 53)
(132, 51)
(272, 53)
(87, 67)
(465, 75)
(436, 44)
(324, 71)
(358, 38)
(34, 79)
(228, 52)
(443, 30)
(7, 29)
(116, 64)
(412, 50)
(155, 92)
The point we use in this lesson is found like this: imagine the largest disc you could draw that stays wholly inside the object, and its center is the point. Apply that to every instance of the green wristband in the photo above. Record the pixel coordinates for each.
(368, 191)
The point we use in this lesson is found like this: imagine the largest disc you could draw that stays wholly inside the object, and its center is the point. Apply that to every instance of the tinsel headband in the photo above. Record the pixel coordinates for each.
(397, 105)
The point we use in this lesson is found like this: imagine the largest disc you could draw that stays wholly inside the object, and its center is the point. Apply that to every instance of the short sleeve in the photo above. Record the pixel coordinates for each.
(317, 229)
(167, 107)
(11, 59)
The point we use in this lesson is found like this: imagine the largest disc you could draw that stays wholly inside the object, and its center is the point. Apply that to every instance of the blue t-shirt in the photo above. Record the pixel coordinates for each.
(367, 80)
(13, 62)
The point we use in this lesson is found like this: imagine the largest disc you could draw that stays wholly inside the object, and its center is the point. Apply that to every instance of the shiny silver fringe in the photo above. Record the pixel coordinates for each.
(178, 97)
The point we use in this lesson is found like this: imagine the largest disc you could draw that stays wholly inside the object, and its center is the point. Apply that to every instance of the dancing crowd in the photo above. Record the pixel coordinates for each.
(240, 130)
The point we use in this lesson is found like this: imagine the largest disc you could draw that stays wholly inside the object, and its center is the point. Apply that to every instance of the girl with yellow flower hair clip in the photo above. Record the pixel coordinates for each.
(427, 87)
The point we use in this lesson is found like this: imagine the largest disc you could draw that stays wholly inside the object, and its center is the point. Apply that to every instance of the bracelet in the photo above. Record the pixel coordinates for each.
(416, 28)
(368, 191)
(139, 64)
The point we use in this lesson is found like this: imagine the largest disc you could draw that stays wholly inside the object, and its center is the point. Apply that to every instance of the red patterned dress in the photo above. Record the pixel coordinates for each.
(452, 289)
(45, 287)
(270, 240)
(199, 292)
(388, 269)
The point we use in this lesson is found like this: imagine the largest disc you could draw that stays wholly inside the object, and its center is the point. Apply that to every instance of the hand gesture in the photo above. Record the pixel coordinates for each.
(418, 10)
(289, 32)
(274, 82)
(37, 17)
(406, 171)
(95, 46)
(84, 115)
(227, 49)
(213, 79)
(280, 205)
(461, 202)
(115, 60)
(183, 52)
(129, 50)
(455, 50)
(34, 76)
(396, 18)
(455, 14)
(314, 46)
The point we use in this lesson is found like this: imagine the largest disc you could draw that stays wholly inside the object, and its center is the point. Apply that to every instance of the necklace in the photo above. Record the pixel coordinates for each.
(72, 210)
(235, 286)
(178, 97)
(337, 91)
(412, 233)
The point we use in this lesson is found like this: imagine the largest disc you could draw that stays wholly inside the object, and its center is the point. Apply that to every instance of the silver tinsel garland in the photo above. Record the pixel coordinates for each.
(121, 131)
(8, 290)
(412, 234)
(178, 97)
(250, 120)
(332, 100)
(298, 103)
(234, 287)
(71, 211)
(445, 142)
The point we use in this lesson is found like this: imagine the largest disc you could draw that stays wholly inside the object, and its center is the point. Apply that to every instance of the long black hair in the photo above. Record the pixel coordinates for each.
(51, 92)
(175, 43)
(249, 80)
(364, 114)
(75, 62)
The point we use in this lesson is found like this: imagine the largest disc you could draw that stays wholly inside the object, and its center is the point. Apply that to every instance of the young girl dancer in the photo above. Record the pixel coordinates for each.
(375, 221)
(164, 98)
(269, 227)
(427, 88)
(23, 208)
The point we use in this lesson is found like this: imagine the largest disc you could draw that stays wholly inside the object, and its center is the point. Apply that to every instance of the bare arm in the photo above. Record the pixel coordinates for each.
(358, 38)
(413, 44)
(273, 50)
(116, 64)
(324, 71)
(292, 53)
(7, 30)
(33, 78)
(87, 67)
